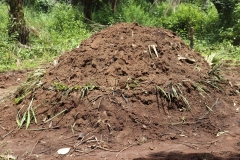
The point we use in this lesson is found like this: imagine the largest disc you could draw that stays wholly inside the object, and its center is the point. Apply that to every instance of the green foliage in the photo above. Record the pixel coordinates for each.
(57, 27)
(26, 116)
(60, 86)
(42, 5)
(135, 11)
(104, 15)
(186, 16)
(51, 33)
(39, 5)
(233, 33)
(127, 11)
(86, 88)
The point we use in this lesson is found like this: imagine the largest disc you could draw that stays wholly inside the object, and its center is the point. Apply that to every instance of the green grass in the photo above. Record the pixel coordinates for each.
(219, 52)
(63, 28)
(52, 34)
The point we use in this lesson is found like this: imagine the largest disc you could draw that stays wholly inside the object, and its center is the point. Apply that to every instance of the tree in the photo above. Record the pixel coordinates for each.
(88, 9)
(89, 4)
(17, 25)
(225, 10)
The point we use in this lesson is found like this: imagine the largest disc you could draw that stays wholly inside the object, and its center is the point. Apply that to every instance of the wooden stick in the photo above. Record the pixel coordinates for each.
(33, 148)
(124, 149)
(8, 133)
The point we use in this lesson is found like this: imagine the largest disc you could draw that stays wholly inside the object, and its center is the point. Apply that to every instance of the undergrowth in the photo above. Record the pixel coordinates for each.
(61, 27)
(51, 33)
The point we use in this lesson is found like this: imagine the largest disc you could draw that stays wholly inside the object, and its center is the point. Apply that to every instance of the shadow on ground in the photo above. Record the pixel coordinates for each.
(188, 156)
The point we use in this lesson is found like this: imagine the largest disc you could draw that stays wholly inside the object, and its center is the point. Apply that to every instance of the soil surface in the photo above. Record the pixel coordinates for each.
(128, 92)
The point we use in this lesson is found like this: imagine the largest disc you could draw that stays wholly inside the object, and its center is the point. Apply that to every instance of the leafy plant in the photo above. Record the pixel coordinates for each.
(135, 12)
(131, 84)
(30, 85)
(60, 86)
(51, 33)
(173, 93)
(86, 88)
(26, 116)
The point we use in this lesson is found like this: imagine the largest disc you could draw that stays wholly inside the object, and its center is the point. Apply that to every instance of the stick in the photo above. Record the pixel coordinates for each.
(44, 151)
(8, 133)
(149, 48)
(189, 145)
(124, 149)
(209, 111)
(213, 141)
(158, 100)
(100, 103)
(105, 149)
(75, 146)
(210, 143)
(154, 49)
(126, 100)
(41, 129)
(33, 148)
(55, 116)
(177, 123)
(2, 127)
(75, 135)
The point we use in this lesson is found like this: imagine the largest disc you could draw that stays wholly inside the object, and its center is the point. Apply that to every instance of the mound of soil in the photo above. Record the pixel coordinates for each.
(130, 84)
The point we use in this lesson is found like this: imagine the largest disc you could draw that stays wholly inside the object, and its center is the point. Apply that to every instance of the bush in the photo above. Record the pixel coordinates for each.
(39, 5)
(127, 11)
(236, 27)
(51, 33)
(134, 11)
(189, 15)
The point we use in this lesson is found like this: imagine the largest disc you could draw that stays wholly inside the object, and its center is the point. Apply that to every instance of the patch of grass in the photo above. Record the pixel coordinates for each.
(30, 85)
(86, 88)
(131, 83)
(218, 52)
(173, 93)
(60, 86)
(51, 34)
(64, 88)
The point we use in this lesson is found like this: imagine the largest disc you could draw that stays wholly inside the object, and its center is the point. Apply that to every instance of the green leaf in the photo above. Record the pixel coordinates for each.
(28, 118)
(23, 119)
(34, 116)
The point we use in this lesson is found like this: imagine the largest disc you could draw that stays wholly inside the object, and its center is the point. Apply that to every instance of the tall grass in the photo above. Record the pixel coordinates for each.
(51, 33)
(62, 28)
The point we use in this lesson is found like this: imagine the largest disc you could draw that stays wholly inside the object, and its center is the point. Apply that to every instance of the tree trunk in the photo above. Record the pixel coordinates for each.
(88, 9)
(114, 3)
(225, 10)
(17, 25)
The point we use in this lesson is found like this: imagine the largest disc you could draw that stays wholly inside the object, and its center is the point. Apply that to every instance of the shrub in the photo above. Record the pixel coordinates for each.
(51, 33)
(136, 11)
(189, 15)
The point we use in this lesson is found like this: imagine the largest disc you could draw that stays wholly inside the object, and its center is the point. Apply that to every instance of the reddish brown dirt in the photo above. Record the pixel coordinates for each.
(126, 112)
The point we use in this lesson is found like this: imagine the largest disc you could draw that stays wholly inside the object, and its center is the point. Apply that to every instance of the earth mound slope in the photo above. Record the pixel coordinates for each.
(132, 83)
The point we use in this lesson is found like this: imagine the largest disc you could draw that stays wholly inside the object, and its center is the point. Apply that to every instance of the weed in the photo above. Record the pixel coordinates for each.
(186, 102)
(60, 86)
(131, 84)
(26, 117)
(216, 71)
(202, 89)
(86, 88)
(174, 94)
(30, 85)
(50, 119)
